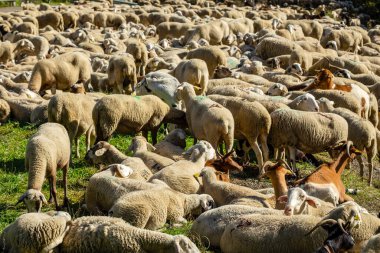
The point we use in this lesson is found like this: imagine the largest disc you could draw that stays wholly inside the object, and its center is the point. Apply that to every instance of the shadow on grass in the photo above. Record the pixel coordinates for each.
(14, 166)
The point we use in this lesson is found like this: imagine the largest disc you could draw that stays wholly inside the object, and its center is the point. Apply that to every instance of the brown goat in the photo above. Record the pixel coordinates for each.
(324, 81)
(223, 165)
(330, 173)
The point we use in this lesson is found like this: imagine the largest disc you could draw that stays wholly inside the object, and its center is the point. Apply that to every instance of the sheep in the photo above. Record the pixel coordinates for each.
(148, 114)
(180, 175)
(336, 63)
(225, 193)
(103, 153)
(164, 62)
(99, 229)
(277, 89)
(271, 47)
(252, 122)
(310, 28)
(51, 18)
(162, 85)
(47, 150)
(8, 50)
(299, 202)
(60, 73)
(35, 232)
(212, 55)
(140, 54)
(262, 231)
(347, 40)
(214, 32)
(26, 27)
(311, 132)
(171, 30)
(107, 186)
(70, 19)
(72, 111)
(151, 209)
(207, 119)
(360, 131)
(143, 149)
(193, 71)
(210, 225)
(5, 111)
(373, 244)
(173, 145)
(122, 74)
(108, 19)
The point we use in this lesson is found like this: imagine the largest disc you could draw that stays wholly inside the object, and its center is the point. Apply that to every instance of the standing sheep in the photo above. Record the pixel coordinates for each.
(140, 54)
(47, 151)
(122, 74)
(212, 55)
(51, 18)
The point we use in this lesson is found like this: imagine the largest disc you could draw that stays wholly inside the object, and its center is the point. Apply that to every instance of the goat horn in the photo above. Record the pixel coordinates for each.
(267, 163)
(228, 154)
(285, 163)
(321, 223)
(349, 144)
(341, 225)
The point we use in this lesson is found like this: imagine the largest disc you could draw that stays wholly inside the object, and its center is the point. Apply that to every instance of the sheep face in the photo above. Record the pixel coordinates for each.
(183, 244)
(277, 89)
(97, 154)
(295, 69)
(26, 45)
(296, 201)
(202, 148)
(222, 72)
(307, 102)
(332, 44)
(206, 202)
(343, 73)
(274, 63)
(33, 200)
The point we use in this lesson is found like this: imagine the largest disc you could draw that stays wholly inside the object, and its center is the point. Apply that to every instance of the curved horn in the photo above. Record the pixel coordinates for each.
(321, 223)
(349, 144)
(228, 154)
(285, 163)
(341, 225)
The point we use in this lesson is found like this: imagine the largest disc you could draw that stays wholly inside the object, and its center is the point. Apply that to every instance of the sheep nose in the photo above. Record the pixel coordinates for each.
(288, 211)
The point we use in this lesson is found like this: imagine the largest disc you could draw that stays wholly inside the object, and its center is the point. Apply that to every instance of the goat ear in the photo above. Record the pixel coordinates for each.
(100, 152)
(313, 202)
(283, 199)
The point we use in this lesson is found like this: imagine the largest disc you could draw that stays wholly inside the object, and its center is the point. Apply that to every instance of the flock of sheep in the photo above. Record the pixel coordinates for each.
(262, 78)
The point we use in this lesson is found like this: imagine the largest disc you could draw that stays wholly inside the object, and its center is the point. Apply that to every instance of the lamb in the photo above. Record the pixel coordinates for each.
(70, 19)
(103, 153)
(135, 114)
(151, 209)
(122, 74)
(311, 132)
(73, 112)
(272, 47)
(140, 54)
(210, 225)
(35, 232)
(212, 55)
(47, 150)
(252, 122)
(143, 149)
(360, 131)
(99, 229)
(60, 73)
(41, 45)
(225, 193)
(8, 50)
(51, 18)
(207, 119)
(173, 145)
(277, 89)
(193, 71)
(180, 175)
(107, 186)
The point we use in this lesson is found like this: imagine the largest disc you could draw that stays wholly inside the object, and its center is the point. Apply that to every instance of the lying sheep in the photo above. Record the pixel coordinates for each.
(122, 74)
(173, 145)
(8, 50)
(141, 148)
(35, 232)
(193, 71)
(47, 150)
(151, 209)
(311, 132)
(373, 244)
(73, 112)
(135, 114)
(96, 232)
(225, 193)
(207, 119)
(104, 153)
(60, 73)
(212, 55)
(180, 175)
(346, 40)
(26, 27)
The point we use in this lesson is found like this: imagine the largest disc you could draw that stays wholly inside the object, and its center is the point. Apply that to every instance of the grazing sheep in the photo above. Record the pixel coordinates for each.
(73, 112)
(47, 150)
(311, 132)
(135, 114)
(151, 209)
(207, 119)
(115, 235)
(225, 193)
(212, 55)
(60, 73)
(35, 232)
(122, 74)
(193, 71)
(103, 153)
(180, 175)
(143, 149)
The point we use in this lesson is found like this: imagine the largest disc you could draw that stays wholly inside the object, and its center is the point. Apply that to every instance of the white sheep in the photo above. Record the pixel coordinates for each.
(173, 145)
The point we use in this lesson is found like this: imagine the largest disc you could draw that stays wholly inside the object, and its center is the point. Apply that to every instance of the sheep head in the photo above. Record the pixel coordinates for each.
(183, 244)
(296, 201)
(33, 200)
(97, 152)
(222, 72)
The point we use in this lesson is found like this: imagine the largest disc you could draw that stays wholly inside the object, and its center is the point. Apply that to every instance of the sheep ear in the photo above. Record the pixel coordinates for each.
(21, 199)
(123, 171)
(197, 175)
(283, 199)
(313, 202)
(23, 43)
(150, 147)
(100, 152)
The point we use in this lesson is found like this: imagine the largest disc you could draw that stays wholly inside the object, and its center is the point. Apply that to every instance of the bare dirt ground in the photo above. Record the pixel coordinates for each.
(10, 9)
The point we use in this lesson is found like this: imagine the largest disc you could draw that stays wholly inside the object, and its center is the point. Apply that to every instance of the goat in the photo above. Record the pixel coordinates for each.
(223, 165)
(326, 182)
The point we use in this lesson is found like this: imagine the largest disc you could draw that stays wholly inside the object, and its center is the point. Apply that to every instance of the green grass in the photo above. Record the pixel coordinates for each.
(13, 178)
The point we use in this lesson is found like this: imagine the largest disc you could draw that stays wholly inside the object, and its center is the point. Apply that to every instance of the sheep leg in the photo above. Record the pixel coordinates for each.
(77, 148)
(370, 157)
(154, 136)
(292, 156)
(361, 165)
(54, 191)
(51, 190)
(65, 199)
(258, 153)
(229, 142)
(264, 146)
